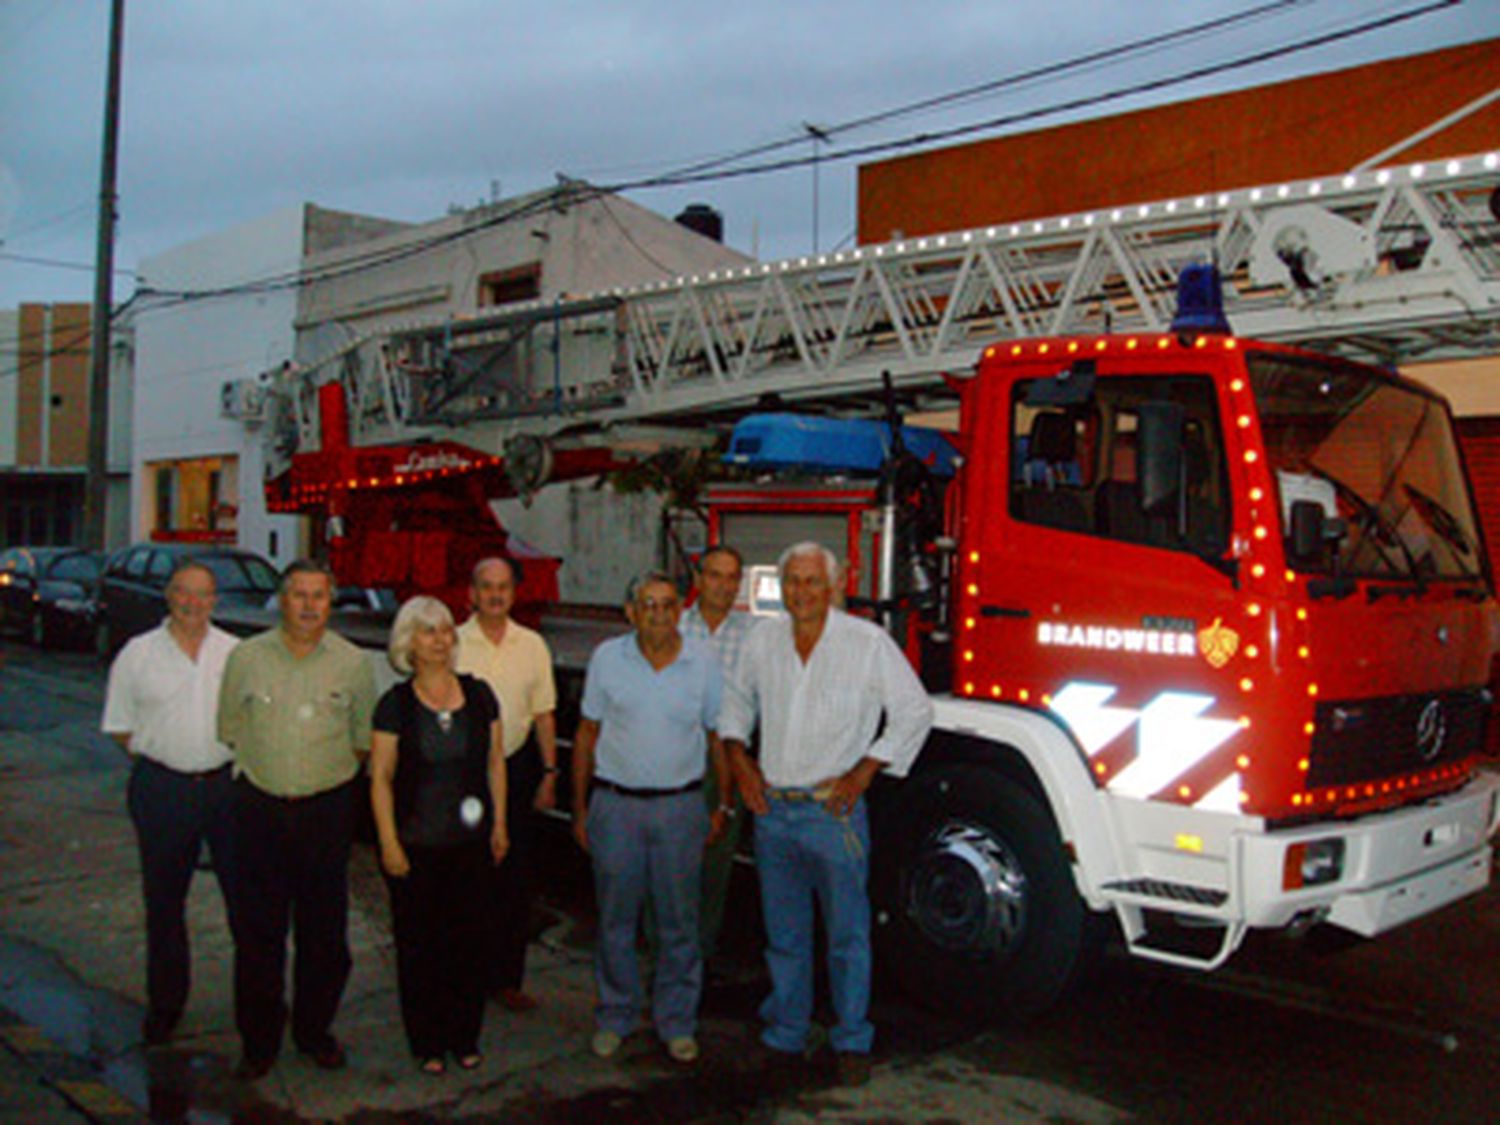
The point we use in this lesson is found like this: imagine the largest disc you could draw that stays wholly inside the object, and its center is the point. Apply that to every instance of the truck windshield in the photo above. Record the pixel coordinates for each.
(1378, 455)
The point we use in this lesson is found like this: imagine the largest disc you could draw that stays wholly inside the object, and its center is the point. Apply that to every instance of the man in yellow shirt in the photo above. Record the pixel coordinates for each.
(516, 663)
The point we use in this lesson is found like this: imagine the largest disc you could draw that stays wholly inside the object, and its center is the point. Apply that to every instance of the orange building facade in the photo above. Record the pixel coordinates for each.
(43, 485)
(1298, 129)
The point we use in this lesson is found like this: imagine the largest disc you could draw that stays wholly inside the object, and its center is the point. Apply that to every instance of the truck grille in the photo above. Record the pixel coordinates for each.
(1367, 739)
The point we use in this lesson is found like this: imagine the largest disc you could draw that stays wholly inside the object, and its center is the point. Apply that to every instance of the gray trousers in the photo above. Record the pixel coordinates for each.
(648, 848)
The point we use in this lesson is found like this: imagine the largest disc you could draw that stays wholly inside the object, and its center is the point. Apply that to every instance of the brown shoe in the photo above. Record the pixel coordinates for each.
(514, 1000)
(775, 1065)
(853, 1069)
(252, 1068)
(327, 1055)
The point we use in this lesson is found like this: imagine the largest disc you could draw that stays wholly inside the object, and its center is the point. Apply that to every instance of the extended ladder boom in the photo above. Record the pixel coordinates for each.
(1394, 263)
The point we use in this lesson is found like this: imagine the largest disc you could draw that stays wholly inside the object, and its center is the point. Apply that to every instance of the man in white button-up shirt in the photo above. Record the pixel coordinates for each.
(161, 706)
(820, 682)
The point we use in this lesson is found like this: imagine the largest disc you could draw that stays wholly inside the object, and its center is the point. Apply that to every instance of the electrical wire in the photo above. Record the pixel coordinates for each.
(1084, 102)
(573, 192)
(1042, 73)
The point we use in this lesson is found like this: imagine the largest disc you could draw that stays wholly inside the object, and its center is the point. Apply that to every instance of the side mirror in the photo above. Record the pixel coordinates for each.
(1306, 544)
(1311, 530)
(1160, 453)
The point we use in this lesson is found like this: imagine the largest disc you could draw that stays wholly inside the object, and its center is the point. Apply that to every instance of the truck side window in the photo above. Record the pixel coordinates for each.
(1078, 469)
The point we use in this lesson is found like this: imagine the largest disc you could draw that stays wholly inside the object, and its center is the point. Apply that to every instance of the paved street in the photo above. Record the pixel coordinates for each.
(1407, 1028)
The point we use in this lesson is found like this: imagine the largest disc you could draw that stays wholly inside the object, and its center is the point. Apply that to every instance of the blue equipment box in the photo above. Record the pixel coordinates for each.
(831, 445)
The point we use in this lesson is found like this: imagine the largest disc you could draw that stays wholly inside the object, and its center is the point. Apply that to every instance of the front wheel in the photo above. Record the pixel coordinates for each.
(976, 910)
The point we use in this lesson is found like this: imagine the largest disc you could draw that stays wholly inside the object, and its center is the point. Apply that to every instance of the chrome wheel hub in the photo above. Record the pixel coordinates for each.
(967, 891)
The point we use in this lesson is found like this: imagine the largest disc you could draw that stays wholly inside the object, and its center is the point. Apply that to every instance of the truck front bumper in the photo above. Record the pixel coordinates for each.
(1396, 866)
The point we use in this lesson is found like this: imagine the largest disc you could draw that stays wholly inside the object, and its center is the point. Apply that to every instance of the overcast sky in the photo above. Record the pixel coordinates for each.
(402, 109)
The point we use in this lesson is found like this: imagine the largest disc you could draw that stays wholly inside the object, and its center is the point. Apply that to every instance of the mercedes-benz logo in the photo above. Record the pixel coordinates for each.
(1432, 730)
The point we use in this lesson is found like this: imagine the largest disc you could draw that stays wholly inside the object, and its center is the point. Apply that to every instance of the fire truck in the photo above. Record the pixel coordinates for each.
(1208, 618)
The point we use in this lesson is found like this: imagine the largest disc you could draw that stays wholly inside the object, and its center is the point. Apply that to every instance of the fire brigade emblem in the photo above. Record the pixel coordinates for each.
(1218, 643)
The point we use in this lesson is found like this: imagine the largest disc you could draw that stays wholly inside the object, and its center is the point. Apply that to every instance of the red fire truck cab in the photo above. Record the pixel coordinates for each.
(1217, 628)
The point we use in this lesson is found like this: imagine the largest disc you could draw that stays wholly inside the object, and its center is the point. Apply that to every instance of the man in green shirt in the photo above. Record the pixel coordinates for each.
(295, 705)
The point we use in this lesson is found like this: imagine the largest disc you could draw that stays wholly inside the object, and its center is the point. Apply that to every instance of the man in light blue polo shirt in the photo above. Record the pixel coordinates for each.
(649, 707)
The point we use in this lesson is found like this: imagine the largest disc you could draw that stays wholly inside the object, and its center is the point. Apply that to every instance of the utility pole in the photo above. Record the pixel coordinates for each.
(96, 485)
(818, 137)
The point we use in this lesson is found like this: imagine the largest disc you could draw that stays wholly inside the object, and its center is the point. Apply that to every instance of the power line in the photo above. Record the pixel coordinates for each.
(572, 191)
(1042, 73)
(56, 263)
(1084, 102)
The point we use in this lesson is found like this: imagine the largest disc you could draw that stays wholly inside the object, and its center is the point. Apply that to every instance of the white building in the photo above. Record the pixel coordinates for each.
(220, 308)
(303, 283)
(569, 241)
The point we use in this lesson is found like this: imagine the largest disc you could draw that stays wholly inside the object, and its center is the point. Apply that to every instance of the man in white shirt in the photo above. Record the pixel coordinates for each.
(516, 663)
(161, 706)
(713, 621)
(821, 682)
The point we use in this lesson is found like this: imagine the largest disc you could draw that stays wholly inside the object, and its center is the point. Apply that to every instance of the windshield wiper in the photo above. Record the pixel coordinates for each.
(1374, 527)
(1444, 522)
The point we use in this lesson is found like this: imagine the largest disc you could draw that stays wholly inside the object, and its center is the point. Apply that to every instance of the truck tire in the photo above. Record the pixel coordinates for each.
(976, 911)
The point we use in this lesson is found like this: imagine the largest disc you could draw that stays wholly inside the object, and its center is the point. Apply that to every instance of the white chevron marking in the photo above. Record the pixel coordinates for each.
(1172, 740)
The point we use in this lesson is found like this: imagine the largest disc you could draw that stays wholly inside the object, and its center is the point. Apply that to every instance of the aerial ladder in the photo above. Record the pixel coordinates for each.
(1390, 264)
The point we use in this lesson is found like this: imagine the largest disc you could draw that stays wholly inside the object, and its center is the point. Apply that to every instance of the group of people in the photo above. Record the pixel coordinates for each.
(256, 750)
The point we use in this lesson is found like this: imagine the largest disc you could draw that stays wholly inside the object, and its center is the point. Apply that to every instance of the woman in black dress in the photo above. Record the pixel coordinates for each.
(437, 788)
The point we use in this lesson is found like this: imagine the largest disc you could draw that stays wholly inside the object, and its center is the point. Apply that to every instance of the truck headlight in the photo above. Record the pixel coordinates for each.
(1313, 864)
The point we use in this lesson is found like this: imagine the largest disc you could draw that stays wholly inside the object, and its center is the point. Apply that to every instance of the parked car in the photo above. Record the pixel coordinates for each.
(47, 593)
(132, 592)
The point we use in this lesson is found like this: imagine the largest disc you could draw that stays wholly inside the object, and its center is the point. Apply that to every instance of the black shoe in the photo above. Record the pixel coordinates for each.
(157, 1027)
(852, 1068)
(327, 1055)
(777, 1066)
(252, 1068)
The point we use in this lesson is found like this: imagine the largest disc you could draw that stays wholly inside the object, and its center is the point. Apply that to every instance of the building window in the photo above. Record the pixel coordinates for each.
(505, 287)
(196, 499)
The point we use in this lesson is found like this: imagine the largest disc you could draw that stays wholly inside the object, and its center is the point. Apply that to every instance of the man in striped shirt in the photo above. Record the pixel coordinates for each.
(713, 621)
(837, 703)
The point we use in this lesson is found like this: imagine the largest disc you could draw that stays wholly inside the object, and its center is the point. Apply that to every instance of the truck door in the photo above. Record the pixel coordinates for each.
(1102, 585)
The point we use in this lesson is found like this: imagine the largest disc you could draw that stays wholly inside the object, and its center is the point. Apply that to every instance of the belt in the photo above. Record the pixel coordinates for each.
(189, 775)
(297, 799)
(628, 791)
(820, 794)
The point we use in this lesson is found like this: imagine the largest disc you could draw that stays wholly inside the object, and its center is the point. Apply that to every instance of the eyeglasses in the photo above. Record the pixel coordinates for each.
(653, 604)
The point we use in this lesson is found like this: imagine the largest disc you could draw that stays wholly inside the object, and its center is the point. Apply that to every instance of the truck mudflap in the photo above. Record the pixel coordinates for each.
(1375, 873)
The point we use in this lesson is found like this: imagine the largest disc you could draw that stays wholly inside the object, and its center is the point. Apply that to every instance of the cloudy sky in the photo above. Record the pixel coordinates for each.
(403, 108)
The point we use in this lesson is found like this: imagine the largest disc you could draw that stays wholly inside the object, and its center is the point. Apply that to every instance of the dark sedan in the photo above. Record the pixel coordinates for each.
(132, 591)
(46, 593)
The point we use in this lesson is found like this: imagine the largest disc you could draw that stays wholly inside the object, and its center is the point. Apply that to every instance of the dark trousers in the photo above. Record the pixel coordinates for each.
(514, 879)
(174, 815)
(294, 875)
(439, 917)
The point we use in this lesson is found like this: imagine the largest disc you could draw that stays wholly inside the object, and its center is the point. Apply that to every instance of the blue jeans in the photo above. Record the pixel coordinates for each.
(648, 847)
(805, 854)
